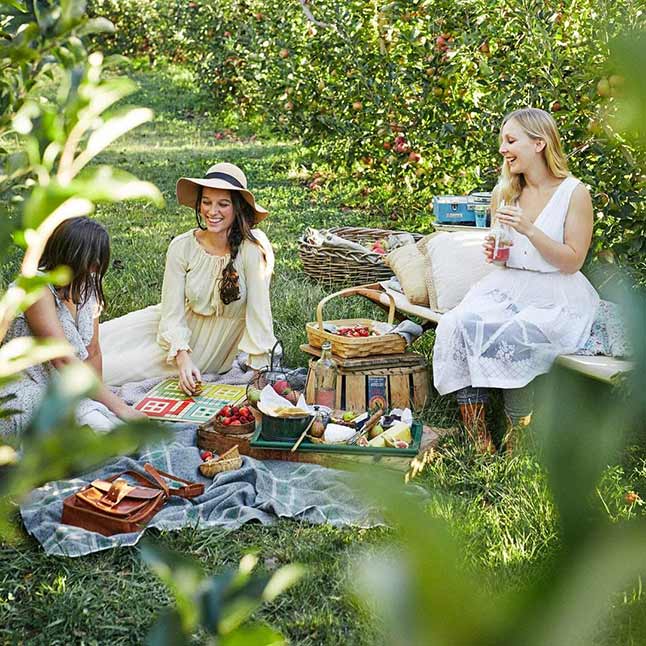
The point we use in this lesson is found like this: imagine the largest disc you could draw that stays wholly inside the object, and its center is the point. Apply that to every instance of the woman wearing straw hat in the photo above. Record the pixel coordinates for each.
(215, 295)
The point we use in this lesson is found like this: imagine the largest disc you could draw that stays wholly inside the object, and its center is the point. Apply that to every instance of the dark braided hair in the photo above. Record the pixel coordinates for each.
(244, 220)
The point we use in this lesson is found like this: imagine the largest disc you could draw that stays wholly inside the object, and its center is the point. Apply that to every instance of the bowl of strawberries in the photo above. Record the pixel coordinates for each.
(234, 420)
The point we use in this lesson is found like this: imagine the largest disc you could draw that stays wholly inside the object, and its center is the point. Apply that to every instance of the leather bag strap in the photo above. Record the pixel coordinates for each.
(155, 475)
(190, 490)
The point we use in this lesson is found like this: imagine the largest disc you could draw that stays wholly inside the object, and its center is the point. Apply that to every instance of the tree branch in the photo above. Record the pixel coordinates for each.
(312, 19)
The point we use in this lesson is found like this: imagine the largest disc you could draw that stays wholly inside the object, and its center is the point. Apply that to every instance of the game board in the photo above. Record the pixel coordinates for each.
(167, 402)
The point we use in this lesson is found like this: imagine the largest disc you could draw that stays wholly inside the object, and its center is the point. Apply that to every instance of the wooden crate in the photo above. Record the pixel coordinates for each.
(406, 376)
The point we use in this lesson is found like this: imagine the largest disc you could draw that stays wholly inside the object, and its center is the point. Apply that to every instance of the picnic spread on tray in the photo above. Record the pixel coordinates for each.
(357, 400)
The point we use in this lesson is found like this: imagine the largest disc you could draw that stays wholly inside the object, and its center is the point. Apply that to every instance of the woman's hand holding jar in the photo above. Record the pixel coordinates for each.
(514, 217)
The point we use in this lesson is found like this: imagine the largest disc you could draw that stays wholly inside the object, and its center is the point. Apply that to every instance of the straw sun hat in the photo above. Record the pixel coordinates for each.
(225, 176)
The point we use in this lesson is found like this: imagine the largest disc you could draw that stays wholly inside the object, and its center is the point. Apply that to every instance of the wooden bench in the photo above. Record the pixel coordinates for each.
(603, 369)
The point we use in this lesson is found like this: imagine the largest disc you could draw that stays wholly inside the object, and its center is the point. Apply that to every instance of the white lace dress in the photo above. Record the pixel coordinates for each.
(30, 388)
(512, 324)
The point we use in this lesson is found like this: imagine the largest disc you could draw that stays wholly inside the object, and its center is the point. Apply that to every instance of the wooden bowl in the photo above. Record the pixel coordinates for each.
(234, 429)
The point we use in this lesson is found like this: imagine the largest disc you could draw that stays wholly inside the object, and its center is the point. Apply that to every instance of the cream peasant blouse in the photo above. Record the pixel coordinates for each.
(192, 283)
(192, 317)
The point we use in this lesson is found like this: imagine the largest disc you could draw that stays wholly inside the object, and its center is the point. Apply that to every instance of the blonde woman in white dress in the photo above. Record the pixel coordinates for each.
(215, 295)
(511, 325)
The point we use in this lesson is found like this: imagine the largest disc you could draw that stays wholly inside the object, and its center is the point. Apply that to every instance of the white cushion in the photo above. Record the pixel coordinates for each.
(409, 265)
(455, 262)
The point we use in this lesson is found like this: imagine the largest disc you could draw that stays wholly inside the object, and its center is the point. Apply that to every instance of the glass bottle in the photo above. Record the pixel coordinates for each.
(501, 243)
(501, 238)
(325, 376)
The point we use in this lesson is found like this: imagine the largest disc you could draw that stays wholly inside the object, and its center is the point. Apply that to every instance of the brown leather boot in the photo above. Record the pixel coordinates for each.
(473, 418)
(513, 431)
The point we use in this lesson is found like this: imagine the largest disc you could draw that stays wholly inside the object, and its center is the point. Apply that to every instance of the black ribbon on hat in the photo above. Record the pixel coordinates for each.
(226, 177)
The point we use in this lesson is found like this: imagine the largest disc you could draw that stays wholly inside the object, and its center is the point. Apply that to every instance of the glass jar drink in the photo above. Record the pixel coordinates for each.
(480, 211)
(501, 235)
(325, 376)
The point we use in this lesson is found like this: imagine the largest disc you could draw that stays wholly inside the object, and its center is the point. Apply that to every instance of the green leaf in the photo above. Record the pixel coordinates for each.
(256, 635)
(101, 97)
(578, 601)
(24, 352)
(96, 26)
(284, 578)
(167, 631)
(111, 130)
(16, 4)
(629, 56)
(54, 446)
(72, 10)
(183, 577)
(107, 184)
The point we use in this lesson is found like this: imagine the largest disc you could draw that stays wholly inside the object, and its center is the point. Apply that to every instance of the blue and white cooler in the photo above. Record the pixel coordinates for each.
(459, 209)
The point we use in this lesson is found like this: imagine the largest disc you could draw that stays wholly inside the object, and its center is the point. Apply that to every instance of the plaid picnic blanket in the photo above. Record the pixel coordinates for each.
(260, 491)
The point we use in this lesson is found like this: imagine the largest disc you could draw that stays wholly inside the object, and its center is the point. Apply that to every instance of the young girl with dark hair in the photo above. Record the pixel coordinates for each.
(69, 313)
(215, 294)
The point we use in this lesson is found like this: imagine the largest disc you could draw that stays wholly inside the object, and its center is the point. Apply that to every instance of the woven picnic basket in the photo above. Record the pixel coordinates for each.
(338, 266)
(228, 461)
(348, 347)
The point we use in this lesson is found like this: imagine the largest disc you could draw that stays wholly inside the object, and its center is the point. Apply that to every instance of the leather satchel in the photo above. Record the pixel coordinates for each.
(116, 506)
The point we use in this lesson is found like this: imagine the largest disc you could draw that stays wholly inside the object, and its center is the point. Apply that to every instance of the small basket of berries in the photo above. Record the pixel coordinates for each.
(228, 461)
(354, 337)
(234, 420)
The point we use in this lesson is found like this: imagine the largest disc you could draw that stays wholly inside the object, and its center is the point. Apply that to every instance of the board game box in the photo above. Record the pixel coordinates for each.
(168, 402)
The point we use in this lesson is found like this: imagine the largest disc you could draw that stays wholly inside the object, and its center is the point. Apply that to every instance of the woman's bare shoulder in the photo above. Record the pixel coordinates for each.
(581, 195)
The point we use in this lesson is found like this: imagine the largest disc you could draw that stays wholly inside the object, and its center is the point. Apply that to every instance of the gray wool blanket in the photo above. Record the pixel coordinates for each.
(260, 491)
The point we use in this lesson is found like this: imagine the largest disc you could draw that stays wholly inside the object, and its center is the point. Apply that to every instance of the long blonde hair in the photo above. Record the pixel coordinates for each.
(537, 124)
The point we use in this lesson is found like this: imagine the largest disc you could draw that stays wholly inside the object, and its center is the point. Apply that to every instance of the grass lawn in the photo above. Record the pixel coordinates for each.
(500, 507)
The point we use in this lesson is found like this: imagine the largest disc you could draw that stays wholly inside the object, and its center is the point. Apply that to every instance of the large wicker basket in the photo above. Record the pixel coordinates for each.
(337, 266)
(348, 347)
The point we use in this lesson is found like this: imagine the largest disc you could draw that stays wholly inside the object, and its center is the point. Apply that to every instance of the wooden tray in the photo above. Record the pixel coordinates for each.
(307, 446)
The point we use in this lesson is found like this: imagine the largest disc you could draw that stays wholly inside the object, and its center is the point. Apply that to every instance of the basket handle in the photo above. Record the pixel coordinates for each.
(350, 291)
(282, 355)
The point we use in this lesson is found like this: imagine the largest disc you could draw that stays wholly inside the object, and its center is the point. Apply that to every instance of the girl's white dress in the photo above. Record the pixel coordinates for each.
(191, 316)
(512, 324)
(30, 389)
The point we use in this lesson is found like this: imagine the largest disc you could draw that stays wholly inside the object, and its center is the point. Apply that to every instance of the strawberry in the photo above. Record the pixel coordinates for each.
(206, 455)
(236, 422)
(227, 420)
(244, 411)
(226, 411)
